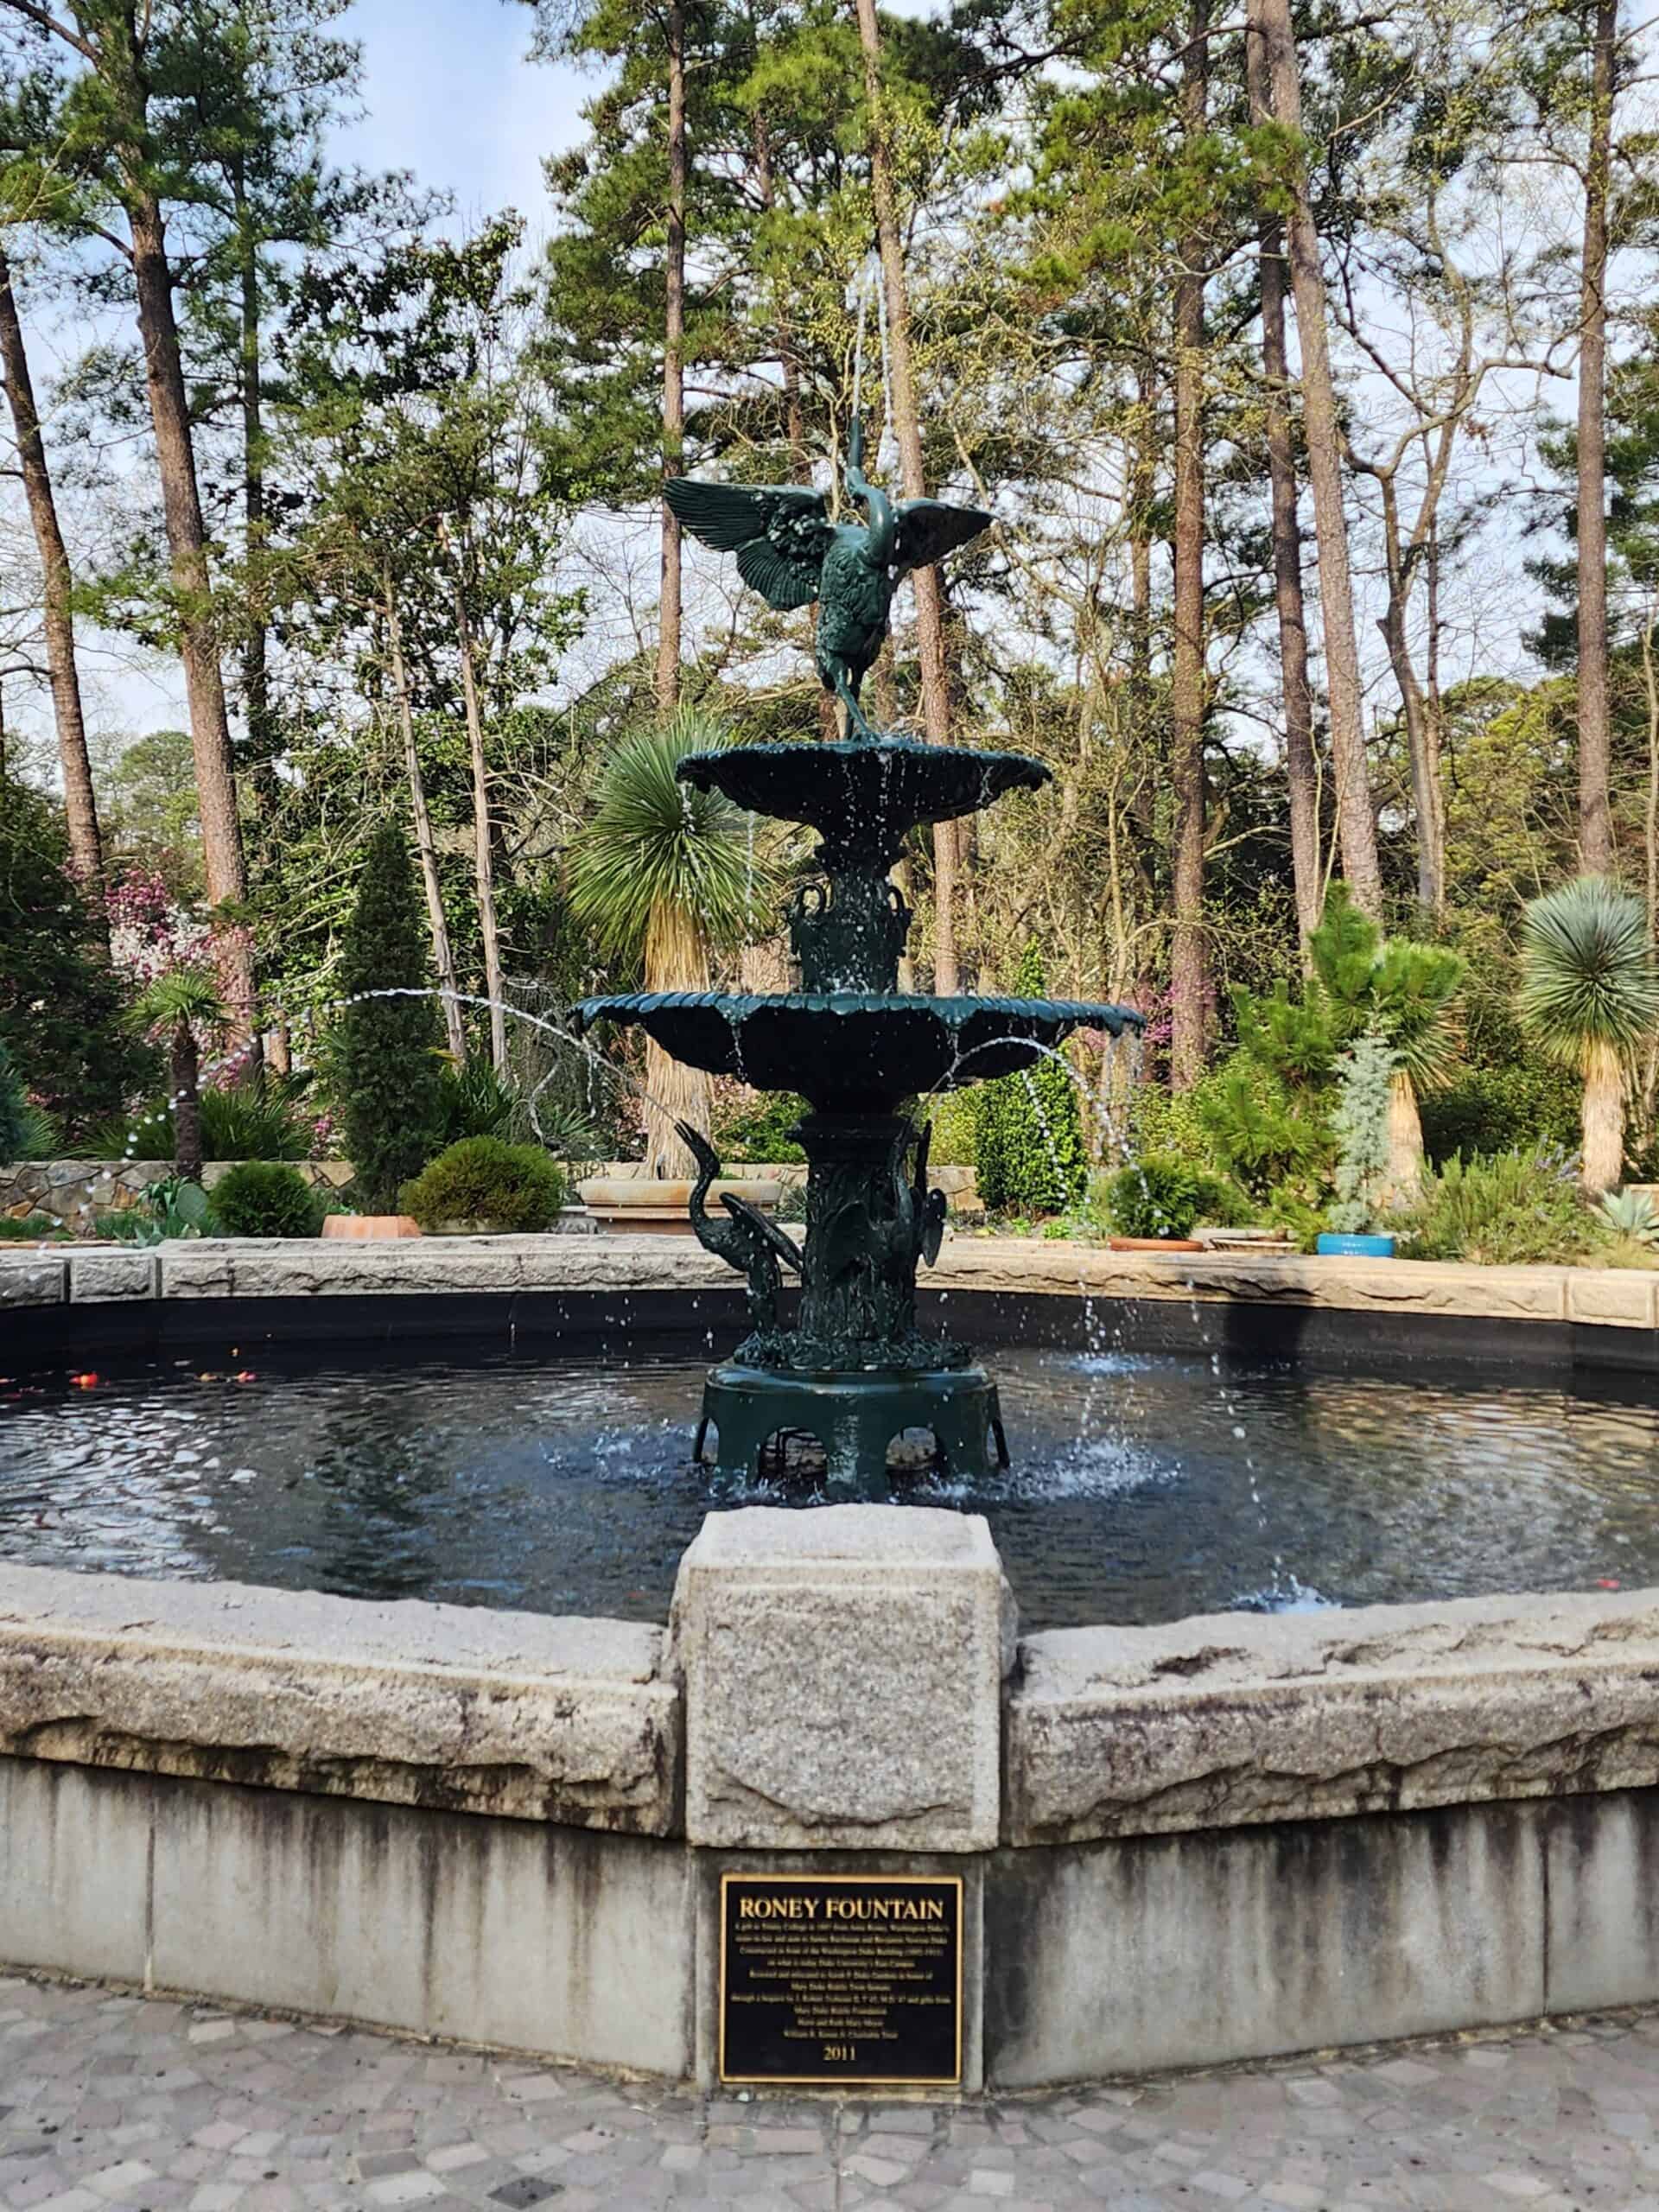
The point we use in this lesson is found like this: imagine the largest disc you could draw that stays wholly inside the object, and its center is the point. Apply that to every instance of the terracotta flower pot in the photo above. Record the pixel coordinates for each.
(1153, 1244)
(359, 1226)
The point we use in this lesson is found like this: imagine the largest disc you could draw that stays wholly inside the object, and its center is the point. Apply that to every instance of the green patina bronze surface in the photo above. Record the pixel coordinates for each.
(854, 1369)
(790, 550)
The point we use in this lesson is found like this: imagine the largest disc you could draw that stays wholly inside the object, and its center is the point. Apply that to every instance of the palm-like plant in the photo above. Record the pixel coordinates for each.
(175, 1007)
(674, 874)
(1590, 997)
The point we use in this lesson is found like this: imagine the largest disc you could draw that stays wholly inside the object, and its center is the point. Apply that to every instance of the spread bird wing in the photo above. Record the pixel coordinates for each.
(929, 529)
(779, 532)
(763, 1227)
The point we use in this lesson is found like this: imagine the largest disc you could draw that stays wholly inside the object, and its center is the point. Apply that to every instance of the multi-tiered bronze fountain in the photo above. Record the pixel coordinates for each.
(854, 1370)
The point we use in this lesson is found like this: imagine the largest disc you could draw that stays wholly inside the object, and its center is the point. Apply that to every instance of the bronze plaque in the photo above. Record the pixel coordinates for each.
(841, 1978)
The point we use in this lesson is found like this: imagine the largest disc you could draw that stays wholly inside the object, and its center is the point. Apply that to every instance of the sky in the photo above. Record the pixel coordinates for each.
(451, 94)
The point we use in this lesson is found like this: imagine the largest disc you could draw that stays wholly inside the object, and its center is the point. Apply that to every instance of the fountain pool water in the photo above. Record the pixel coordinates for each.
(1148, 1485)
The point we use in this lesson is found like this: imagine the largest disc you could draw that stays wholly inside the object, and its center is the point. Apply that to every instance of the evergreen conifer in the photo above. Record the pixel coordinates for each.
(386, 1074)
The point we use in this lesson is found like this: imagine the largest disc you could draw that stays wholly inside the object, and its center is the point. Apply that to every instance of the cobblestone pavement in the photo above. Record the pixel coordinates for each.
(109, 2100)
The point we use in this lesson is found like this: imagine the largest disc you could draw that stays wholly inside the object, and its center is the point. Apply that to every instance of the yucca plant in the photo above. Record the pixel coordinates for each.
(175, 1007)
(670, 874)
(1590, 997)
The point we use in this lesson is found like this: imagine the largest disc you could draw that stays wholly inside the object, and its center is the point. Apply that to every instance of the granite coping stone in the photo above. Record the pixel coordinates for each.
(522, 1714)
(1027, 1266)
(1232, 1720)
(842, 1672)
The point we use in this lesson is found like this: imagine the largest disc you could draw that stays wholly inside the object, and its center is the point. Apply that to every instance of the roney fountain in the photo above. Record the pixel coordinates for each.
(855, 1372)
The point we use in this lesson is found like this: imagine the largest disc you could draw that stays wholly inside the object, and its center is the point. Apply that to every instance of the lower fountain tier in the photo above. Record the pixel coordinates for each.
(854, 1052)
(854, 1416)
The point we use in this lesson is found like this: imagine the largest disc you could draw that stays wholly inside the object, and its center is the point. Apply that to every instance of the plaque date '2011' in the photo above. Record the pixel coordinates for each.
(841, 1978)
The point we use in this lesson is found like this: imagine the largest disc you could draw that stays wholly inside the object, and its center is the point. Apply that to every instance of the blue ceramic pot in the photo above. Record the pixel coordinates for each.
(1355, 1248)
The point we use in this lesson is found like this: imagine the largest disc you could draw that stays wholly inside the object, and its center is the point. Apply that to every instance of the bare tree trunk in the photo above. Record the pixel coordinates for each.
(794, 408)
(80, 804)
(225, 862)
(1301, 767)
(907, 430)
(185, 1069)
(483, 847)
(1603, 1119)
(261, 747)
(1322, 431)
(443, 958)
(675, 960)
(1404, 1184)
(1595, 743)
(1189, 966)
(1422, 744)
(669, 605)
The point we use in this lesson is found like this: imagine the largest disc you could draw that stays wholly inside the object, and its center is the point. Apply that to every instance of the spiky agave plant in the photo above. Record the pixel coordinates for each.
(674, 874)
(1590, 997)
(175, 1007)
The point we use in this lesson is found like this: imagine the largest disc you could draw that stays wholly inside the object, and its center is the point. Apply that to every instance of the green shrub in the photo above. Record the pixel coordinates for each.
(62, 1004)
(1029, 1150)
(32, 1228)
(477, 1103)
(1266, 1136)
(760, 1127)
(1499, 1110)
(265, 1197)
(1164, 1196)
(1630, 1214)
(512, 1186)
(170, 1209)
(384, 1068)
(13, 1106)
(950, 1115)
(1510, 1209)
(261, 1120)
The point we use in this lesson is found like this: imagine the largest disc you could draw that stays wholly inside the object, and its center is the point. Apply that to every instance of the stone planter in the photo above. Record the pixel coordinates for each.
(639, 1206)
(362, 1227)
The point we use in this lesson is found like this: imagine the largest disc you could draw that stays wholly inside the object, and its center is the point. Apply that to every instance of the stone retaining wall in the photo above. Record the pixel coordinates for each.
(74, 1193)
(1601, 1298)
(1218, 1840)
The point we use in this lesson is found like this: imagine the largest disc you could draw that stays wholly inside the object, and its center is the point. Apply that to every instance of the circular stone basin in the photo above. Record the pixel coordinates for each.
(862, 795)
(852, 1051)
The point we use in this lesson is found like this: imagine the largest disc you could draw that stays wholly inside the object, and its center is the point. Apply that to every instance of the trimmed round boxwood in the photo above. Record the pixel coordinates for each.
(263, 1198)
(1159, 1196)
(487, 1184)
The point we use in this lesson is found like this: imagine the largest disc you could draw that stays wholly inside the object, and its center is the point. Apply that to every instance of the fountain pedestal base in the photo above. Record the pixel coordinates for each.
(855, 1416)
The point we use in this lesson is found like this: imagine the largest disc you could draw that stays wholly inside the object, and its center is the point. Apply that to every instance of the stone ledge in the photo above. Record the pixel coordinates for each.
(1233, 1719)
(842, 1671)
(1025, 1266)
(516, 1715)
(277, 1267)
(1035, 1266)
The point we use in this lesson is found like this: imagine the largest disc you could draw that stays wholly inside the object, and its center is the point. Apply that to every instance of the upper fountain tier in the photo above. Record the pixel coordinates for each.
(849, 1041)
(863, 795)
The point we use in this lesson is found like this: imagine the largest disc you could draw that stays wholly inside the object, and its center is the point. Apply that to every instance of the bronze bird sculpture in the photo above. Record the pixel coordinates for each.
(748, 1241)
(791, 552)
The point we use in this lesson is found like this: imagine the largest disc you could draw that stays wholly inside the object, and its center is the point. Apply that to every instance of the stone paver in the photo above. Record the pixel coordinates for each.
(142, 2105)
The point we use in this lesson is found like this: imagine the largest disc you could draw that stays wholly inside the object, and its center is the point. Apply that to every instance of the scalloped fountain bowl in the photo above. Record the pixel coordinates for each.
(863, 795)
(852, 1051)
